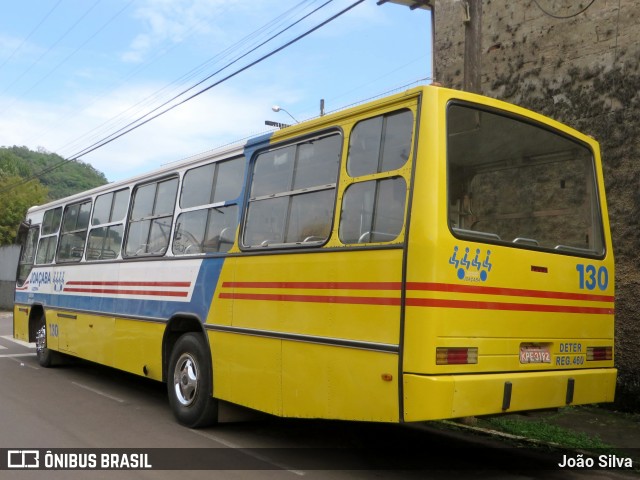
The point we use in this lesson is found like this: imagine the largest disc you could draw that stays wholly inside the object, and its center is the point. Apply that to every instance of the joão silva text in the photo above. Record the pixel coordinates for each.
(604, 461)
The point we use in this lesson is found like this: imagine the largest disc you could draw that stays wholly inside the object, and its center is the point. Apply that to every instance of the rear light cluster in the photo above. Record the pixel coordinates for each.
(599, 353)
(456, 355)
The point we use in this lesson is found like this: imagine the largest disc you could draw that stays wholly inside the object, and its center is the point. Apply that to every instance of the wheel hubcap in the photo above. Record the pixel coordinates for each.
(41, 339)
(185, 379)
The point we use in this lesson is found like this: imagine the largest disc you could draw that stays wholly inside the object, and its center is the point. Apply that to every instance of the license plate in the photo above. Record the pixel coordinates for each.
(534, 354)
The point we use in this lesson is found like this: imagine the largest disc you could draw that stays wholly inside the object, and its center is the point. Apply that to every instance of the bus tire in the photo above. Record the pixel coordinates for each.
(44, 355)
(190, 382)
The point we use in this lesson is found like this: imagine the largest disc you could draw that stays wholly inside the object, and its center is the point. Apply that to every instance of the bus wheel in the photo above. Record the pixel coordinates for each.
(189, 382)
(43, 354)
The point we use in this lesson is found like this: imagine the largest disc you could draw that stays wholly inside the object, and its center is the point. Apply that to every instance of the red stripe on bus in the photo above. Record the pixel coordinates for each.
(158, 293)
(418, 302)
(509, 292)
(521, 307)
(425, 286)
(317, 285)
(129, 284)
(312, 298)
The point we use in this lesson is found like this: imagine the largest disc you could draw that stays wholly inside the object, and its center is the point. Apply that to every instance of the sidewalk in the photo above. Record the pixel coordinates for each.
(620, 430)
(617, 430)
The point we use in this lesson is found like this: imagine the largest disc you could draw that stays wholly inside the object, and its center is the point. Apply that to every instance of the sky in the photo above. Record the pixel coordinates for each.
(76, 72)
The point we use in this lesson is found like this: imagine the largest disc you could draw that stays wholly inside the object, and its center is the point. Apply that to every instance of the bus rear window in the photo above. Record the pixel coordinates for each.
(514, 182)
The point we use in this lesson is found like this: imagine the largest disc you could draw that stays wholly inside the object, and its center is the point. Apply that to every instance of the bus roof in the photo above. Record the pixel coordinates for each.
(227, 151)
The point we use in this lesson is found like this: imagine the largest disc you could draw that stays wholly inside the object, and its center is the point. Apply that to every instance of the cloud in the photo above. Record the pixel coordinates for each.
(66, 120)
(219, 117)
(167, 22)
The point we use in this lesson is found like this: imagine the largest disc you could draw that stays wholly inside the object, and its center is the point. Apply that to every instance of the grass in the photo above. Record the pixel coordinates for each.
(545, 432)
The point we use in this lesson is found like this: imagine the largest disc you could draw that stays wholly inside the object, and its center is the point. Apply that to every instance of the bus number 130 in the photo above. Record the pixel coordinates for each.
(590, 277)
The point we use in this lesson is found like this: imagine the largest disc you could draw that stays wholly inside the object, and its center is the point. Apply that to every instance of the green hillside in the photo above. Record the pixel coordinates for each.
(72, 177)
(30, 178)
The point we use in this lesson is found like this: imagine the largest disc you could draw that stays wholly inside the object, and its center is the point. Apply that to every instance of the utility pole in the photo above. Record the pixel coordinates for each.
(472, 46)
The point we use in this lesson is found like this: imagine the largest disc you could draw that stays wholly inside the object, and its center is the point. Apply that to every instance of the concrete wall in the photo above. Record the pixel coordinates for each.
(8, 267)
(582, 68)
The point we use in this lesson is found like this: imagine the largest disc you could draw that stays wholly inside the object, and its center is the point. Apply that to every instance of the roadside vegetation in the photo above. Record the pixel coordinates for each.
(543, 431)
(30, 178)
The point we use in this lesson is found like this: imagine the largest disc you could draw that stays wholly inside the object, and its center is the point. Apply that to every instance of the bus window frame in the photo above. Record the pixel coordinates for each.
(241, 159)
(55, 234)
(134, 188)
(108, 224)
(61, 233)
(527, 244)
(24, 231)
(248, 199)
(380, 175)
(211, 205)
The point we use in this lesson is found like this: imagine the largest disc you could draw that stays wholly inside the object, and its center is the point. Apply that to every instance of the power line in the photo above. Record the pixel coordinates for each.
(77, 49)
(190, 74)
(125, 129)
(77, 22)
(269, 27)
(35, 29)
(139, 124)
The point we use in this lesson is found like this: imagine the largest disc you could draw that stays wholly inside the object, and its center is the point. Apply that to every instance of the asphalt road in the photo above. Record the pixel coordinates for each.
(81, 409)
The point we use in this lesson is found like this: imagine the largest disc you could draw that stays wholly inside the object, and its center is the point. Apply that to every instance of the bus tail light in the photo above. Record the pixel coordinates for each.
(599, 353)
(456, 355)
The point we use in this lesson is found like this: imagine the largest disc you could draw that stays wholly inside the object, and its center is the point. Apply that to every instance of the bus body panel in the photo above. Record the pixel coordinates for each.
(21, 322)
(316, 384)
(247, 370)
(288, 324)
(136, 345)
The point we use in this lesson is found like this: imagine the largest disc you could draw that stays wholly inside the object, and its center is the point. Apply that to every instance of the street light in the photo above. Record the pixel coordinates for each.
(277, 108)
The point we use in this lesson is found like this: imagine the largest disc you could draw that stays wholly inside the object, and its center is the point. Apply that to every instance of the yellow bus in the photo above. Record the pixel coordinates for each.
(432, 254)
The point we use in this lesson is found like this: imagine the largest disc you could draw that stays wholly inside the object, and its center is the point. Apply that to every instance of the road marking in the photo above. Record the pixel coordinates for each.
(19, 342)
(98, 392)
(22, 364)
(2, 348)
(248, 451)
(11, 355)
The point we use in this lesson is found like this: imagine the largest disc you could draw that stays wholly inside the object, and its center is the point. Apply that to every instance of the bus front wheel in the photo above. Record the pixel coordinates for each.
(43, 354)
(190, 382)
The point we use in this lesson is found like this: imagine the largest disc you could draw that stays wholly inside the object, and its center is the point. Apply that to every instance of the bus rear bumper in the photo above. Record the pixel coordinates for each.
(454, 396)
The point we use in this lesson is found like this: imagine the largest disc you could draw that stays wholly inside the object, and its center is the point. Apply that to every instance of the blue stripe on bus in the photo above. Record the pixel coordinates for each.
(199, 304)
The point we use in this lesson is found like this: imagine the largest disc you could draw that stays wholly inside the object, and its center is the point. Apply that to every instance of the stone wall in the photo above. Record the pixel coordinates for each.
(577, 62)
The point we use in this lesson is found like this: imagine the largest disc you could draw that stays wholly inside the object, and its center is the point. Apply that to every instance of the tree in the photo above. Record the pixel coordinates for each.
(14, 204)
(62, 178)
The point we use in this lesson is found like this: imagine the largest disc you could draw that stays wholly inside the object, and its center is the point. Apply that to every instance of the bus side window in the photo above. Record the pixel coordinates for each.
(28, 254)
(293, 194)
(209, 229)
(380, 144)
(105, 238)
(373, 209)
(74, 232)
(49, 236)
(151, 218)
